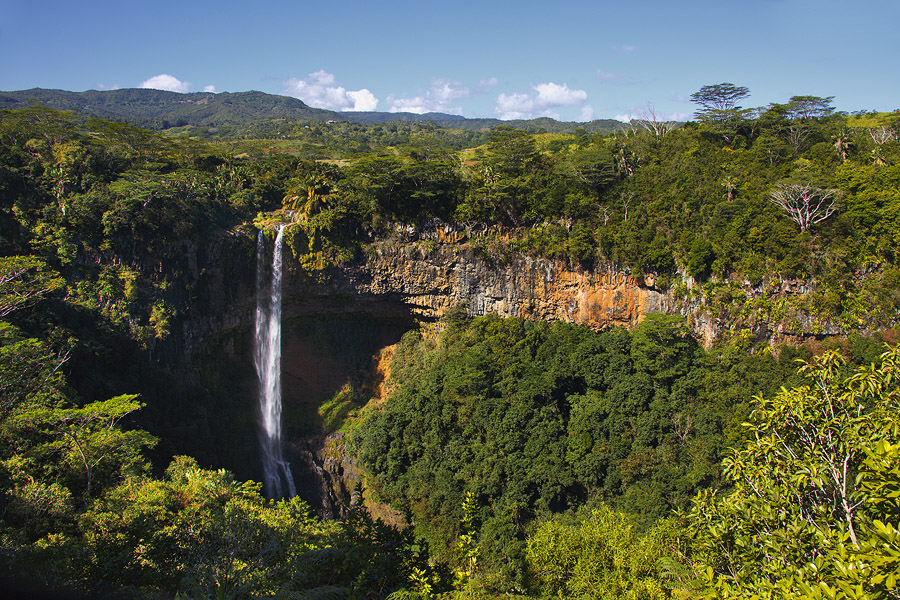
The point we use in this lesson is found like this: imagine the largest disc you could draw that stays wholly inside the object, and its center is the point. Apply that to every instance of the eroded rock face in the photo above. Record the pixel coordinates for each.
(428, 270)
(433, 278)
(428, 278)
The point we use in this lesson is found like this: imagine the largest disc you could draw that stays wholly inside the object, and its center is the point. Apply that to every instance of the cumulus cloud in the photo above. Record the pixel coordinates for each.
(587, 113)
(515, 106)
(553, 94)
(103, 87)
(210, 88)
(545, 98)
(320, 90)
(363, 100)
(415, 105)
(166, 82)
(438, 98)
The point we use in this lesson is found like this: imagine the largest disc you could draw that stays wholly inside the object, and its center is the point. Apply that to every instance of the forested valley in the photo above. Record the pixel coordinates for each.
(496, 456)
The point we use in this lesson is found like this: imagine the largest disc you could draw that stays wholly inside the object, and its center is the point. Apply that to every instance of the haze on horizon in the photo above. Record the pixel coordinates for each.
(572, 60)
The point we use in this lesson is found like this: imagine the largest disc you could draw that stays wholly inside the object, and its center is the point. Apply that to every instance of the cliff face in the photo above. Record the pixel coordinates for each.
(424, 273)
(437, 268)
(421, 277)
(435, 277)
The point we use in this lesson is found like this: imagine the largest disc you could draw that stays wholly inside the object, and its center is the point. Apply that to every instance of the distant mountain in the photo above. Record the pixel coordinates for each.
(158, 110)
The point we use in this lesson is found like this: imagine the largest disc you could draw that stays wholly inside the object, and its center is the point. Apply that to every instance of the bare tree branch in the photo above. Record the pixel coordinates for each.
(806, 205)
(882, 134)
(650, 121)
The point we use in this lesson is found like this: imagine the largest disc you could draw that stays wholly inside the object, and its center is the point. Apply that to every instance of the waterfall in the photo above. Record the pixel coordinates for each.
(277, 479)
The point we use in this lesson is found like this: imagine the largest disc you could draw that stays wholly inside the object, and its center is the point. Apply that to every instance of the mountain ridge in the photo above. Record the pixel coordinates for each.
(159, 110)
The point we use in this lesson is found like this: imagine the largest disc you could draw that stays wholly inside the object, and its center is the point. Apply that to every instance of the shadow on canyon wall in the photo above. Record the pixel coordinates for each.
(208, 407)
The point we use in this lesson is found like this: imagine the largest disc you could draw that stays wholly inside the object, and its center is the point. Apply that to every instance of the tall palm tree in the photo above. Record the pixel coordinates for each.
(309, 197)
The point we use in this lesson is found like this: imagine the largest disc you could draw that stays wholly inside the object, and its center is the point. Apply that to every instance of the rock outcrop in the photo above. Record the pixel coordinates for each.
(425, 272)
(434, 278)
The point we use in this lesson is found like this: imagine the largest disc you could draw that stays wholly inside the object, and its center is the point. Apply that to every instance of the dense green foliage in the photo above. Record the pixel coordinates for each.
(541, 458)
(159, 109)
(201, 534)
(524, 422)
(814, 511)
(795, 193)
(538, 419)
(100, 225)
(601, 556)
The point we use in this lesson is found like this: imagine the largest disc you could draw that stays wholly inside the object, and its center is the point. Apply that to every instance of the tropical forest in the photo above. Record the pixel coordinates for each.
(252, 349)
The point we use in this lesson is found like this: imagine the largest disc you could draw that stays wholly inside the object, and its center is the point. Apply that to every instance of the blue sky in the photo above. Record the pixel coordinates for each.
(570, 59)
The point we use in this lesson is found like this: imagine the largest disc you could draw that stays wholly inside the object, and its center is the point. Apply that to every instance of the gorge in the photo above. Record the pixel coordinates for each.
(337, 322)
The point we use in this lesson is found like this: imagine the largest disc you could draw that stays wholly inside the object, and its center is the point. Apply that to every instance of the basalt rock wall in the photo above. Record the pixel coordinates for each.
(424, 278)
(434, 278)
(425, 272)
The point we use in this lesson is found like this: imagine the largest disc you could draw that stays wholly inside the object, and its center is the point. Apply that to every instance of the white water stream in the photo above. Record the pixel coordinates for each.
(277, 479)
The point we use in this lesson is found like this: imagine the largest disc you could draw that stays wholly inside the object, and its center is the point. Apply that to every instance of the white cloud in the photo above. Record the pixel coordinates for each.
(103, 87)
(363, 100)
(587, 113)
(553, 94)
(515, 106)
(410, 105)
(438, 98)
(627, 48)
(540, 104)
(606, 76)
(166, 82)
(446, 91)
(210, 88)
(625, 118)
(319, 90)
